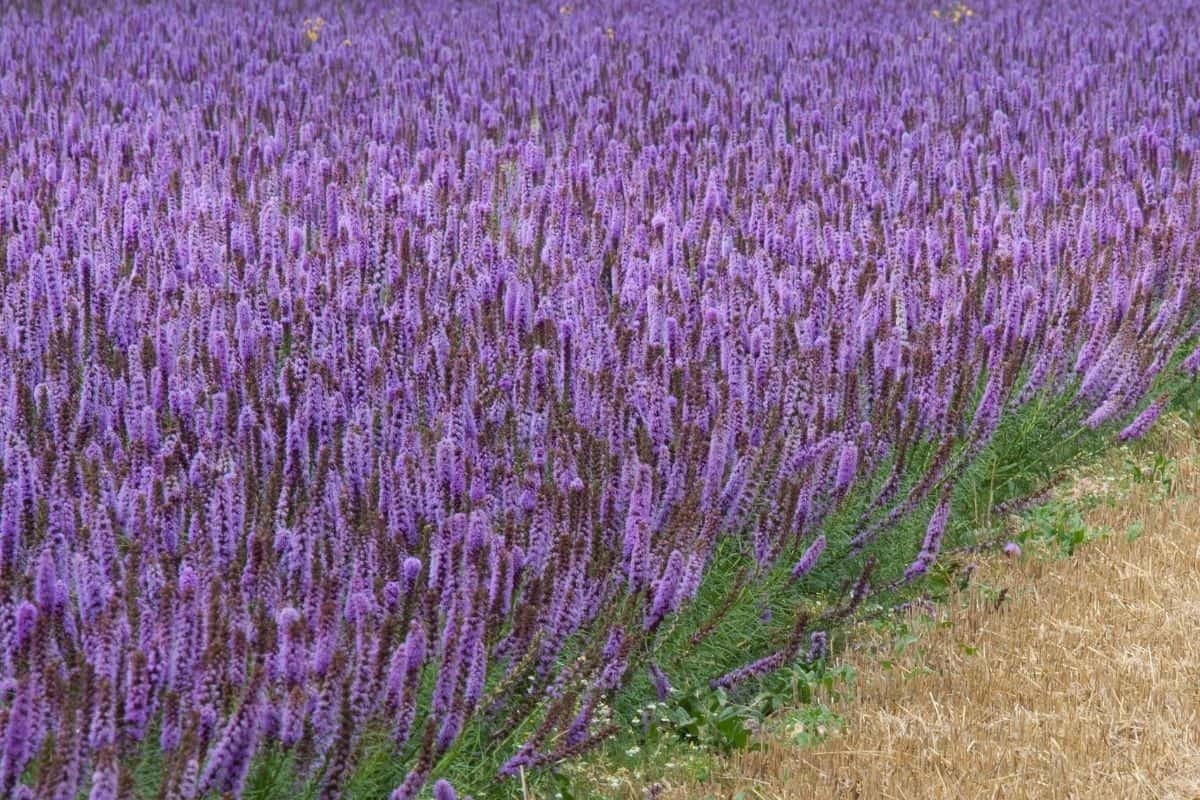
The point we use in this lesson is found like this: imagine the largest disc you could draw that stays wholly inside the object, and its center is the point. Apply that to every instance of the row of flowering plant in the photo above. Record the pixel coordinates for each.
(405, 377)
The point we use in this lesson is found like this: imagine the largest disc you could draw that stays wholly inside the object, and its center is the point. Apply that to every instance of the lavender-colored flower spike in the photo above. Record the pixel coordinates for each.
(662, 684)
(818, 646)
(104, 783)
(809, 559)
(932, 543)
(1144, 421)
(846, 467)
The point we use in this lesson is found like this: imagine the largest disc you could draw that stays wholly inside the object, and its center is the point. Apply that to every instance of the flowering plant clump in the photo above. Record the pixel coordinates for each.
(359, 388)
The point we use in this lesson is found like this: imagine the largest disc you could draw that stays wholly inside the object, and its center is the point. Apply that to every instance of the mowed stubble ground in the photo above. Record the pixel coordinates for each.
(1083, 683)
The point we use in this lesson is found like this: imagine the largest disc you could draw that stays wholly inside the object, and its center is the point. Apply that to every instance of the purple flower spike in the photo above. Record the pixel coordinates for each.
(809, 559)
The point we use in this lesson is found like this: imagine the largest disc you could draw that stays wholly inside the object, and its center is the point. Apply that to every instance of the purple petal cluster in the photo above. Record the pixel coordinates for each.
(353, 373)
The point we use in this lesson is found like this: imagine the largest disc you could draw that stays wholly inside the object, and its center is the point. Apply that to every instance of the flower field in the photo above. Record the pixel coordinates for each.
(392, 396)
